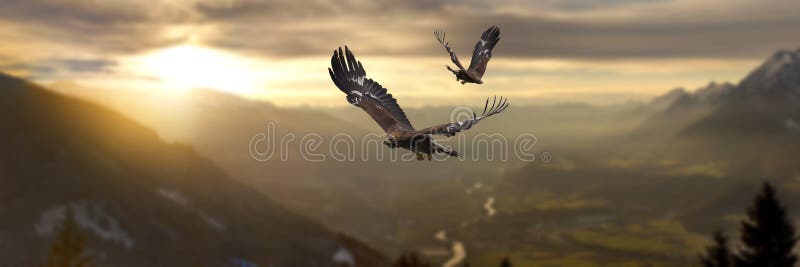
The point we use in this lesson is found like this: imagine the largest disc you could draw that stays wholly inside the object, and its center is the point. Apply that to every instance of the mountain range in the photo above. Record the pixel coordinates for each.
(649, 195)
(765, 101)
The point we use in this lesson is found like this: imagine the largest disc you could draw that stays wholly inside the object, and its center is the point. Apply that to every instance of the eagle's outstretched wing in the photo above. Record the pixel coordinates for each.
(450, 129)
(440, 37)
(349, 75)
(483, 51)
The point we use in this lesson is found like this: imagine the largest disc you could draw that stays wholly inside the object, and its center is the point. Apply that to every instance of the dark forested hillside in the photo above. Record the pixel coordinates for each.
(142, 202)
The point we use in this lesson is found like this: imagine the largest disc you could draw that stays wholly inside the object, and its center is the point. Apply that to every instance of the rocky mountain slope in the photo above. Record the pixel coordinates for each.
(767, 101)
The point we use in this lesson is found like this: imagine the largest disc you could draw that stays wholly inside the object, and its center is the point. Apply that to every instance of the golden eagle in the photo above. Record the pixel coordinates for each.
(480, 55)
(348, 74)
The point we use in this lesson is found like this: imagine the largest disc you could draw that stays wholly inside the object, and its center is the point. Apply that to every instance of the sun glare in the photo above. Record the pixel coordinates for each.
(190, 66)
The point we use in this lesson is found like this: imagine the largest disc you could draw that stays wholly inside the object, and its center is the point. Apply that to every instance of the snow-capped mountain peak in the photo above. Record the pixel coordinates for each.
(779, 73)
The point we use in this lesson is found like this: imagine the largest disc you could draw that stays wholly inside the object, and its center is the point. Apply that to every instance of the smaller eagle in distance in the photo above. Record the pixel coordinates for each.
(349, 76)
(480, 55)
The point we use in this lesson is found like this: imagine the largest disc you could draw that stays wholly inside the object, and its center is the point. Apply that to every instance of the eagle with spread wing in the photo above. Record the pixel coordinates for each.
(480, 55)
(349, 76)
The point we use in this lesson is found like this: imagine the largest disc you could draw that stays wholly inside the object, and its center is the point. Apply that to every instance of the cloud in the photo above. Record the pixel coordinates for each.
(547, 46)
(84, 65)
(59, 68)
(572, 29)
(534, 29)
(43, 38)
(27, 70)
(582, 5)
(97, 27)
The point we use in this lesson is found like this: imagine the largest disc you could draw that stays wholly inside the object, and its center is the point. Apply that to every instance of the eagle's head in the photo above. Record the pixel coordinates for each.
(390, 142)
(462, 76)
(354, 97)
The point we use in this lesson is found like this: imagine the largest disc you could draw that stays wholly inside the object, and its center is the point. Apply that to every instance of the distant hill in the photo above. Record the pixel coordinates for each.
(767, 101)
(143, 201)
(677, 109)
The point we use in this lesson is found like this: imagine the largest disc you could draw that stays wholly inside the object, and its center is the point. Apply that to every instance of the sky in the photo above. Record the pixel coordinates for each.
(596, 51)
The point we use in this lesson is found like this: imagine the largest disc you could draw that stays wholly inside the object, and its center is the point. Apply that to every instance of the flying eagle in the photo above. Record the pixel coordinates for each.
(480, 56)
(349, 75)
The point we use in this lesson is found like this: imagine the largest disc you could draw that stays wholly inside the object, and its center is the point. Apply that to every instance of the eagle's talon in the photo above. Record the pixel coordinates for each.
(451, 70)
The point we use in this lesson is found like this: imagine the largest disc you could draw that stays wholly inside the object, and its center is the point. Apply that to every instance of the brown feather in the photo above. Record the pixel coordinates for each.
(483, 52)
(349, 76)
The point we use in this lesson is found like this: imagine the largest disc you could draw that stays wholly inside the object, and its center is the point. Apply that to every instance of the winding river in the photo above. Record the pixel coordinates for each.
(459, 253)
(489, 207)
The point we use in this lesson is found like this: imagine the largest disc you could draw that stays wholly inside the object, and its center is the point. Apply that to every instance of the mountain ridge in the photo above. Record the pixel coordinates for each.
(766, 100)
(760, 104)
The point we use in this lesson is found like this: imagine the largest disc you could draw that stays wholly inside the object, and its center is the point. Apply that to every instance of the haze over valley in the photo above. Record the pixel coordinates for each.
(637, 172)
(658, 133)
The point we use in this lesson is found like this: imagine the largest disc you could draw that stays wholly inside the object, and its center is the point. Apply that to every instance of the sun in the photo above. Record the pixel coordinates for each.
(190, 66)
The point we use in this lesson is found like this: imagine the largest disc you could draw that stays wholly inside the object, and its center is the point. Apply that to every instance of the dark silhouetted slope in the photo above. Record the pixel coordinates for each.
(143, 202)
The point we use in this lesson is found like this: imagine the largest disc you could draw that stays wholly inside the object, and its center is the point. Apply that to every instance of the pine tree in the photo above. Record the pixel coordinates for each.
(718, 254)
(506, 262)
(767, 233)
(69, 245)
(410, 259)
